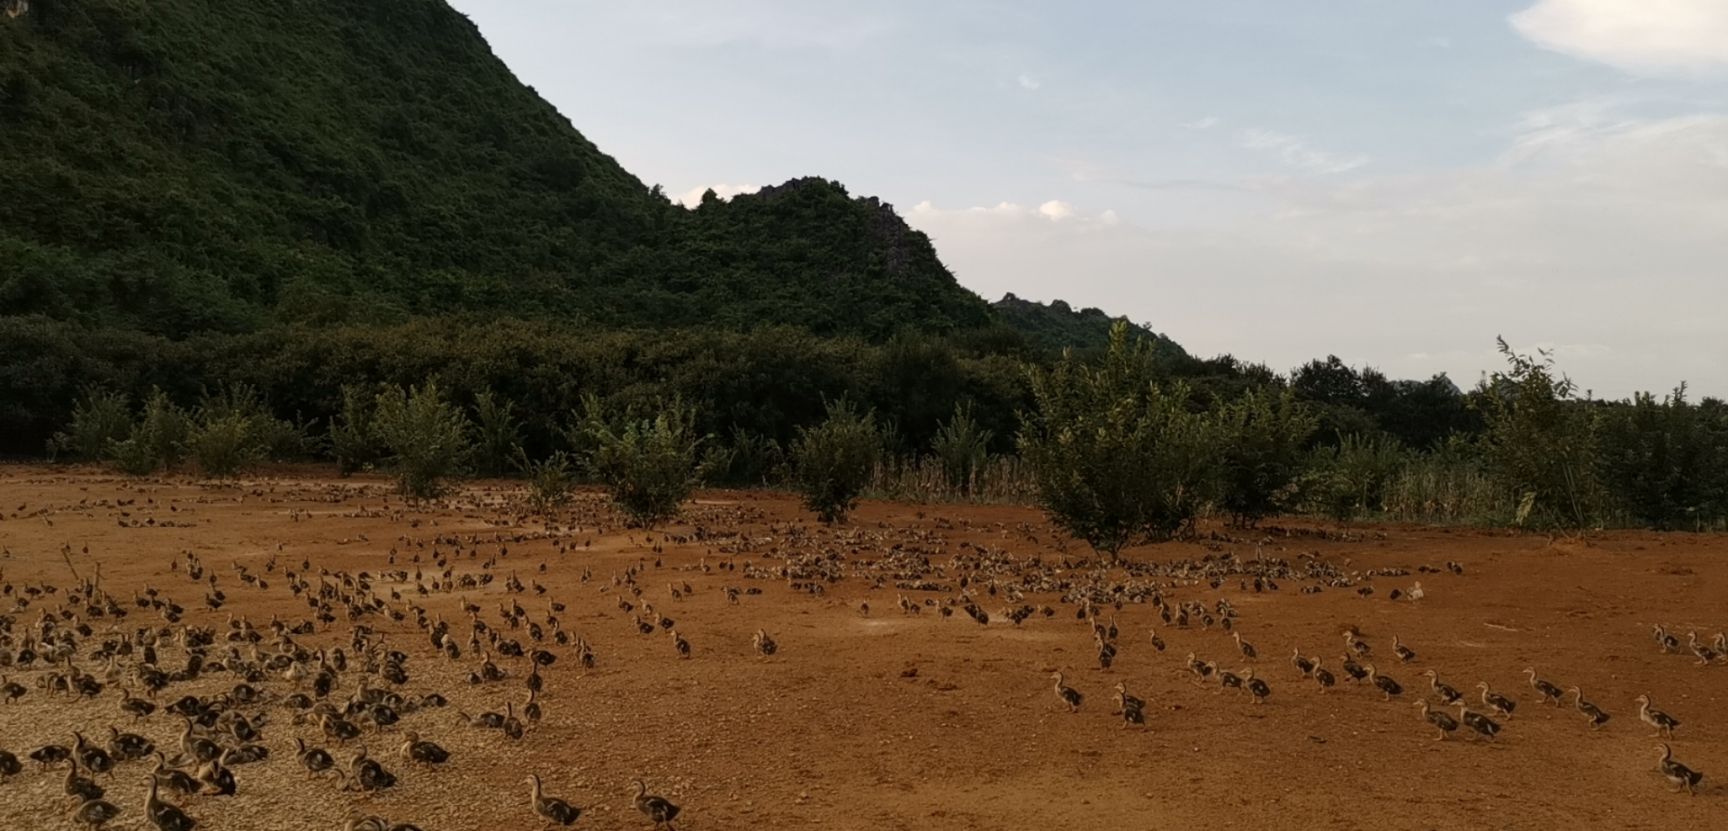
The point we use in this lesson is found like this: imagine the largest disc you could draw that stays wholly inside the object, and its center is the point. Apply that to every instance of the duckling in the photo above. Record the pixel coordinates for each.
(680, 644)
(422, 752)
(218, 780)
(1201, 669)
(1549, 693)
(1256, 687)
(315, 760)
(1157, 642)
(1404, 653)
(1481, 724)
(92, 757)
(1704, 654)
(531, 708)
(11, 690)
(1442, 722)
(367, 774)
(1352, 644)
(1663, 723)
(656, 808)
(1680, 775)
(487, 721)
(1591, 712)
(1124, 700)
(128, 747)
(1226, 678)
(9, 765)
(1448, 694)
(1302, 665)
(175, 778)
(82, 787)
(1666, 642)
(166, 816)
(1386, 685)
(1069, 696)
(1353, 669)
(554, 810)
(95, 813)
(1496, 702)
(1246, 648)
(764, 643)
(1323, 677)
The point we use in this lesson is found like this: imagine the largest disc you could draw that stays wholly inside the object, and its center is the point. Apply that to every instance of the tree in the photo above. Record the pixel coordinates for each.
(1540, 440)
(834, 460)
(649, 463)
(962, 446)
(1117, 459)
(426, 435)
(1262, 436)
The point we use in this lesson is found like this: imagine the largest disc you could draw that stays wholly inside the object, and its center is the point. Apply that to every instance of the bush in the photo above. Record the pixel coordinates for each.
(550, 480)
(1350, 479)
(1262, 439)
(497, 433)
(1117, 459)
(649, 464)
(1666, 463)
(354, 437)
(962, 447)
(223, 443)
(157, 440)
(267, 436)
(99, 419)
(426, 436)
(834, 460)
(1540, 441)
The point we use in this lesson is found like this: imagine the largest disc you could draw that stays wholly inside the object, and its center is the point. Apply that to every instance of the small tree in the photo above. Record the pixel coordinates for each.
(834, 460)
(354, 438)
(1117, 459)
(99, 418)
(1349, 479)
(962, 446)
(225, 443)
(157, 440)
(426, 435)
(650, 464)
(497, 433)
(1540, 440)
(550, 480)
(1261, 454)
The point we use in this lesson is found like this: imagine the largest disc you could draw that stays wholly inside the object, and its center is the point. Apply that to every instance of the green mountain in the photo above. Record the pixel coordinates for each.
(1056, 325)
(233, 165)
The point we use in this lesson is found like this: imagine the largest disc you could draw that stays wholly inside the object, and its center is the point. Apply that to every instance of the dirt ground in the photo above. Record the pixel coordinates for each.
(888, 720)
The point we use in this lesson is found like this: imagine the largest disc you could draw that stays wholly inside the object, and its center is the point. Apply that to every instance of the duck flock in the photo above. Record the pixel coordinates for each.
(202, 687)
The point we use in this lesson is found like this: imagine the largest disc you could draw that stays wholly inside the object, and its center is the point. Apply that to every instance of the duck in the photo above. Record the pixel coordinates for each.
(1125, 700)
(166, 816)
(1157, 642)
(1404, 653)
(1442, 722)
(9, 765)
(82, 787)
(1549, 693)
(1666, 642)
(764, 643)
(1256, 687)
(1246, 648)
(554, 810)
(1353, 669)
(1704, 654)
(1592, 713)
(1494, 701)
(1483, 726)
(656, 808)
(1201, 669)
(95, 813)
(422, 752)
(1385, 684)
(315, 760)
(1678, 774)
(1323, 677)
(1663, 723)
(175, 778)
(1069, 696)
(1302, 665)
(1448, 694)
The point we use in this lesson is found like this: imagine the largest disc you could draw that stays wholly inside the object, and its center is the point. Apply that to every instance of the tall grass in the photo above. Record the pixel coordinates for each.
(996, 480)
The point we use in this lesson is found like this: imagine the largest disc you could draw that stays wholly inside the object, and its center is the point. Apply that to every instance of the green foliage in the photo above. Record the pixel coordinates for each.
(1055, 326)
(1447, 485)
(963, 448)
(157, 440)
(267, 437)
(426, 435)
(747, 459)
(1262, 437)
(550, 480)
(355, 440)
(649, 463)
(497, 433)
(1666, 462)
(834, 460)
(1118, 459)
(224, 443)
(100, 418)
(1349, 479)
(1540, 441)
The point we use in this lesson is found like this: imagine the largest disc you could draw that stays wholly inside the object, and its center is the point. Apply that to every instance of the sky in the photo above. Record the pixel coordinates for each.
(1396, 182)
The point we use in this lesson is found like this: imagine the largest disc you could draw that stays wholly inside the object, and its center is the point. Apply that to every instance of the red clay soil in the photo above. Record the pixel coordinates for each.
(888, 720)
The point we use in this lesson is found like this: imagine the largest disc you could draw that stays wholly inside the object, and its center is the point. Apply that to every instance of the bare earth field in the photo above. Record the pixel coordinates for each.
(885, 720)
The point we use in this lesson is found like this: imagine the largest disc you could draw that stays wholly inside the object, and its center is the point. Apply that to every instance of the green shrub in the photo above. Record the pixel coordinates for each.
(426, 435)
(1118, 459)
(1541, 441)
(269, 437)
(550, 480)
(99, 419)
(962, 447)
(497, 433)
(354, 437)
(649, 464)
(1348, 480)
(834, 460)
(224, 443)
(157, 440)
(1261, 453)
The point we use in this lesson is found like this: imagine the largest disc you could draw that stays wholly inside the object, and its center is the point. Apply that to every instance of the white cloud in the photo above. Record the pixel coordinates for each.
(1638, 36)
(1206, 123)
(1296, 153)
(693, 197)
(1027, 82)
(1605, 245)
(1056, 210)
